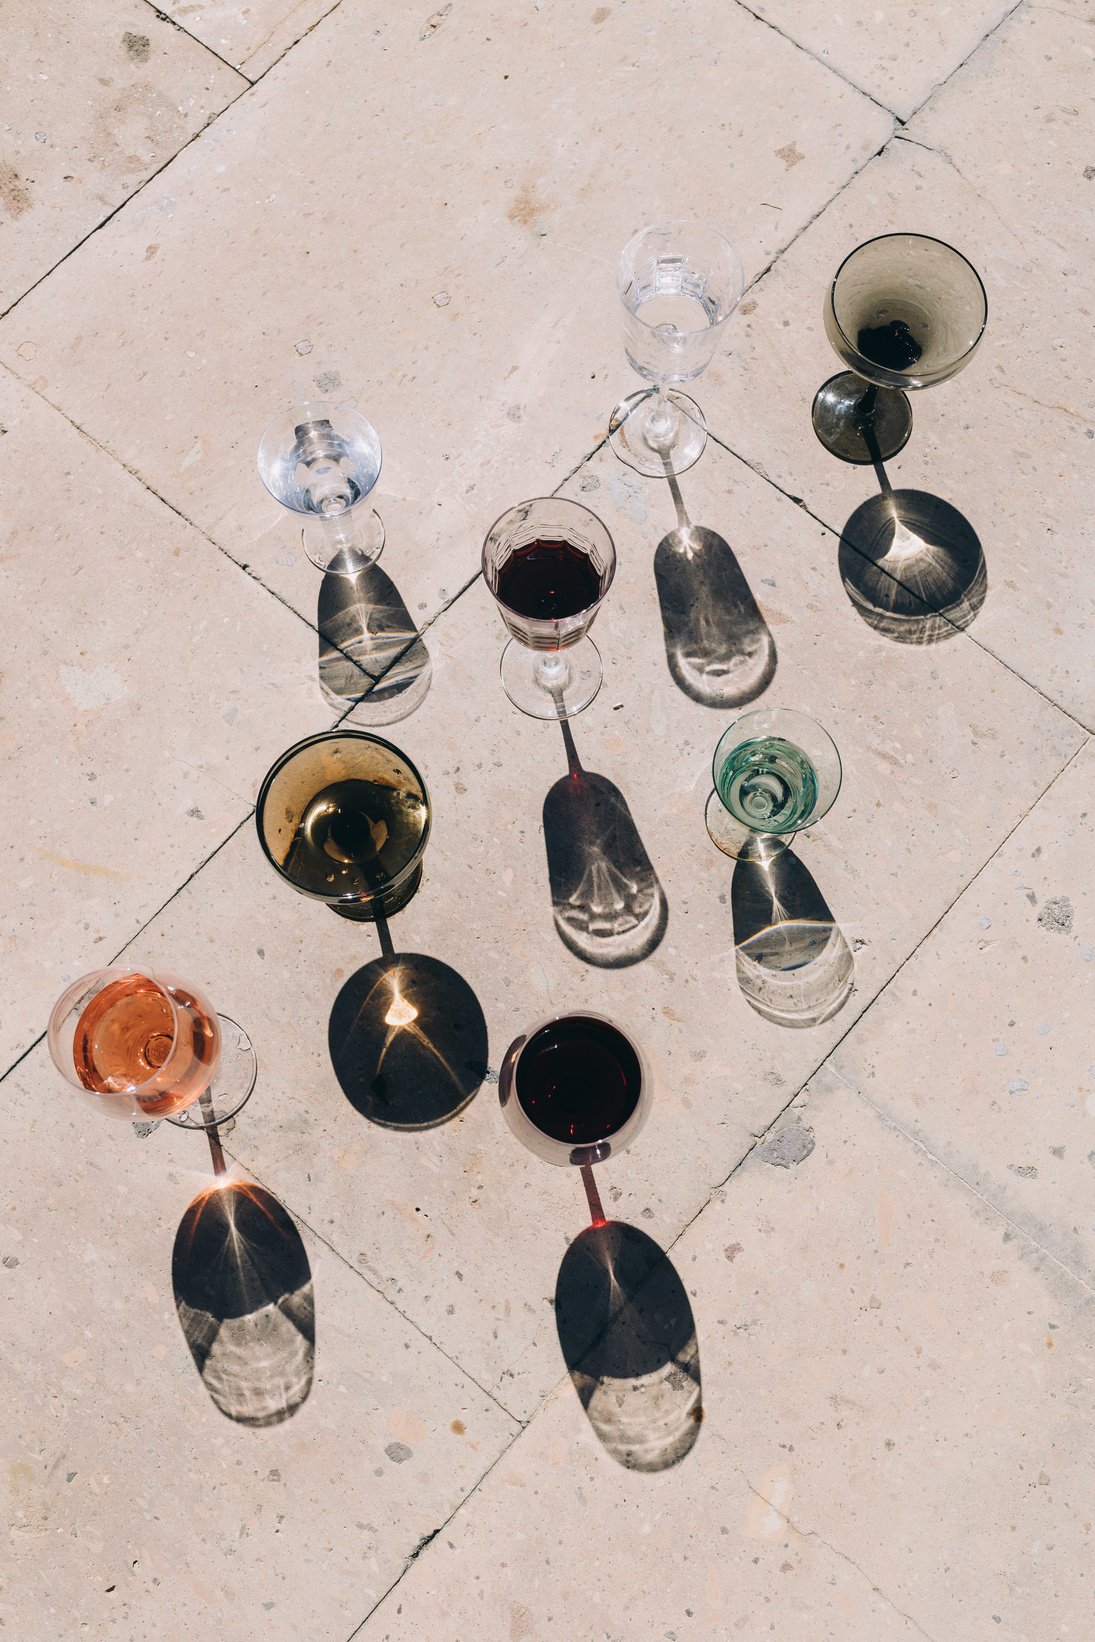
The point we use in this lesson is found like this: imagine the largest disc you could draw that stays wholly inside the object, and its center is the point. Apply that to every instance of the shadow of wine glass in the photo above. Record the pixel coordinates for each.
(794, 966)
(367, 634)
(718, 645)
(607, 901)
(408, 1041)
(243, 1293)
(628, 1338)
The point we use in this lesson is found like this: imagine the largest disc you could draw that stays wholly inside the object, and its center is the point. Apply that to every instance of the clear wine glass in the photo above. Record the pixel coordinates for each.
(143, 1045)
(549, 564)
(344, 818)
(776, 772)
(321, 461)
(679, 282)
(904, 311)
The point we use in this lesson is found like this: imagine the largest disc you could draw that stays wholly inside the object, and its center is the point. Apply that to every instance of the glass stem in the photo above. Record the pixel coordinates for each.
(552, 671)
(864, 411)
(662, 422)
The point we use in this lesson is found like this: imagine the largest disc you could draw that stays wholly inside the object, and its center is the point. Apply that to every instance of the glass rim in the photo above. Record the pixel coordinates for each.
(759, 712)
(930, 239)
(683, 222)
(531, 501)
(319, 405)
(64, 1006)
(312, 741)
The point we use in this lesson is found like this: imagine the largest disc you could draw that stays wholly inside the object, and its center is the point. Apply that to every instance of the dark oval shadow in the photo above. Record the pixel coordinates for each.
(628, 1338)
(794, 966)
(370, 657)
(243, 1292)
(608, 902)
(408, 1041)
(718, 645)
(913, 567)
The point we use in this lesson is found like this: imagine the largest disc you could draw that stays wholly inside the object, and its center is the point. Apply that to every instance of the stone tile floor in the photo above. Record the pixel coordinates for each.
(876, 1189)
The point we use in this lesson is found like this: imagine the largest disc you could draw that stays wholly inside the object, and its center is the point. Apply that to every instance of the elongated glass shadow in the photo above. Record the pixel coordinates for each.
(243, 1292)
(793, 964)
(607, 900)
(628, 1338)
(718, 645)
(367, 634)
(408, 1041)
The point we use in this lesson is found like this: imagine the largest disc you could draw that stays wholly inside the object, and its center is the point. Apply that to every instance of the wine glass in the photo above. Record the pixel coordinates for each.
(776, 772)
(344, 817)
(574, 1089)
(904, 311)
(679, 282)
(321, 462)
(142, 1045)
(549, 564)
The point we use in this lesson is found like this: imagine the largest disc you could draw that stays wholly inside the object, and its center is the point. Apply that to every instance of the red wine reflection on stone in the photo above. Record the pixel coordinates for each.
(548, 580)
(355, 837)
(578, 1080)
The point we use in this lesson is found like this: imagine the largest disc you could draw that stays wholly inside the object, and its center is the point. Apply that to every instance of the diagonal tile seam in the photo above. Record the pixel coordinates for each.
(235, 67)
(204, 44)
(838, 73)
(834, 1550)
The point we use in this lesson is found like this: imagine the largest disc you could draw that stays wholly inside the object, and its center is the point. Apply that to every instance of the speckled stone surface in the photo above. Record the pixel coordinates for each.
(252, 37)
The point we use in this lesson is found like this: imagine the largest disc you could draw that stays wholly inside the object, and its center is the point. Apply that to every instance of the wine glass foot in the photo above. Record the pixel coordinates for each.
(736, 840)
(344, 553)
(231, 1087)
(385, 903)
(551, 683)
(842, 430)
(628, 439)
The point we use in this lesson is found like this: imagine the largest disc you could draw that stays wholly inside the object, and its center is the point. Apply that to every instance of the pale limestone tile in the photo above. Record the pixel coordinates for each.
(428, 227)
(457, 1224)
(135, 1507)
(1017, 471)
(895, 52)
(982, 1048)
(96, 97)
(252, 37)
(145, 681)
(900, 1372)
(559, 1541)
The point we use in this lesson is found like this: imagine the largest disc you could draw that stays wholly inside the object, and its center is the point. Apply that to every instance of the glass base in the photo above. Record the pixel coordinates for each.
(232, 1085)
(628, 439)
(383, 904)
(344, 552)
(841, 430)
(732, 838)
(551, 683)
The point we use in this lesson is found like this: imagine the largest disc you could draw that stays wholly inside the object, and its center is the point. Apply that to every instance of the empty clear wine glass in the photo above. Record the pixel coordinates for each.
(904, 311)
(574, 1089)
(679, 282)
(776, 772)
(142, 1045)
(344, 818)
(321, 462)
(549, 564)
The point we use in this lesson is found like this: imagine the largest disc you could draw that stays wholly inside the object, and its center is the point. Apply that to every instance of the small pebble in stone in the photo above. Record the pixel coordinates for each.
(441, 299)
(397, 1452)
(1018, 1086)
(303, 347)
(1056, 915)
(984, 923)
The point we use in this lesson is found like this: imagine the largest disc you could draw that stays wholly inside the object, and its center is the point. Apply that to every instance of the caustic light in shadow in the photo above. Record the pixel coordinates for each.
(628, 1337)
(243, 1292)
(913, 566)
(793, 964)
(366, 632)
(408, 1041)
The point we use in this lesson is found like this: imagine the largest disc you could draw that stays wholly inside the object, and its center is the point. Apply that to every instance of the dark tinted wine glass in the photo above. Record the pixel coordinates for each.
(344, 817)
(904, 311)
(574, 1089)
(549, 563)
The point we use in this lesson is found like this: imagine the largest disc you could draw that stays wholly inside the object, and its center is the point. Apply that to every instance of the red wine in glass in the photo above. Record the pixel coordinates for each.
(578, 1080)
(548, 580)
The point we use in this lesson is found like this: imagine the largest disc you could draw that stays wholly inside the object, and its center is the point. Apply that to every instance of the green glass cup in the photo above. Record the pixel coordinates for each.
(776, 772)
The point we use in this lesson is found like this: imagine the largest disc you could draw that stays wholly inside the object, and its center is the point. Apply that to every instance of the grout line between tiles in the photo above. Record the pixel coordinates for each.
(173, 22)
(290, 47)
(823, 62)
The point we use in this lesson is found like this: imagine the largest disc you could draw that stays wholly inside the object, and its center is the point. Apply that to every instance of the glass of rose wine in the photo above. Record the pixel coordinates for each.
(344, 818)
(321, 462)
(549, 563)
(776, 772)
(142, 1045)
(904, 311)
(574, 1089)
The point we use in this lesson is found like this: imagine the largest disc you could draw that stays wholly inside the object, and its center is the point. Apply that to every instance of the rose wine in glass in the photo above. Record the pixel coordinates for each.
(128, 1033)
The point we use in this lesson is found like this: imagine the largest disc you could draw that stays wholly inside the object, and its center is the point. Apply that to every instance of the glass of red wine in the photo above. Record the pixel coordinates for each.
(549, 563)
(904, 311)
(574, 1089)
(140, 1046)
(344, 818)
